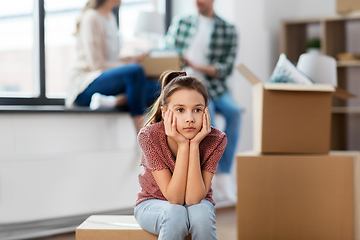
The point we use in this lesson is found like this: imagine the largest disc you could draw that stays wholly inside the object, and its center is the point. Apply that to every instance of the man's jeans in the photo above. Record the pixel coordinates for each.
(228, 108)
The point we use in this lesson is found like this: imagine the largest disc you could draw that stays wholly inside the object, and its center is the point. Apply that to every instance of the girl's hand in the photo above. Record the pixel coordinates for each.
(205, 130)
(171, 128)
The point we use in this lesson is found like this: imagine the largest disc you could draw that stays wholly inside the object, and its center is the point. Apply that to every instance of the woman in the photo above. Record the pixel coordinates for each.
(99, 78)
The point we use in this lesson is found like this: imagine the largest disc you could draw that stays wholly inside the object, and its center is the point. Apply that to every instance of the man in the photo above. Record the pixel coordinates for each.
(208, 46)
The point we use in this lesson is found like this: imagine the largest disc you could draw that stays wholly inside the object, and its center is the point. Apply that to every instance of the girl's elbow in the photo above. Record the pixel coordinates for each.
(193, 201)
(190, 203)
(177, 201)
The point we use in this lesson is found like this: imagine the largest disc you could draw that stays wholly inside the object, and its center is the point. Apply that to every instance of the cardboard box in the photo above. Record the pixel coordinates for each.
(291, 118)
(155, 66)
(112, 227)
(298, 196)
(346, 6)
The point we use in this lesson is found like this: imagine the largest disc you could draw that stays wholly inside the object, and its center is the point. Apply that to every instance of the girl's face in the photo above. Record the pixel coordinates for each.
(188, 106)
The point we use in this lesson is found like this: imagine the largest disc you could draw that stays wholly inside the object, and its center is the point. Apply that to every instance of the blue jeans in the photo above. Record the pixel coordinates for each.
(129, 79)
(227, 107)
(174, 222)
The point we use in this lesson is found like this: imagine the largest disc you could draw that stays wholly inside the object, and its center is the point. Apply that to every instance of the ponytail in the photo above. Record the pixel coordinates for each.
(155, 111)
(167, 76)
(171, 81)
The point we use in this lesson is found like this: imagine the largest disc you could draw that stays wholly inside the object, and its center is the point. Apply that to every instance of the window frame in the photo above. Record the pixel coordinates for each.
(39, 19)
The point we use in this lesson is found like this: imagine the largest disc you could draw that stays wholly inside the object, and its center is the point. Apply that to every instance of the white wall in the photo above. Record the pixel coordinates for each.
(56, 133)
(56, 165)
(311, 8)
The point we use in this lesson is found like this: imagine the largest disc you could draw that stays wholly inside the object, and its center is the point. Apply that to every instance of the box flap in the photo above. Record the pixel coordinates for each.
(318, 87)
(299, 87)
(248, 74)
(342, 94)
(283, 86)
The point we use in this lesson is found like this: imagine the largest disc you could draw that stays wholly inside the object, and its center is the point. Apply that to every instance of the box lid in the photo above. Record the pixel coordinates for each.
(110, 222)
(340, 93)
(299, 87)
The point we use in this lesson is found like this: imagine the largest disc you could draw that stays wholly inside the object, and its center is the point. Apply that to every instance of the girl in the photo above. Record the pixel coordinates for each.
(99, 78)
(180, 154)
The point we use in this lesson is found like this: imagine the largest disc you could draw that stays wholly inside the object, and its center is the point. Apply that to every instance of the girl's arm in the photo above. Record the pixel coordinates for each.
(173, 186)
(198, 181)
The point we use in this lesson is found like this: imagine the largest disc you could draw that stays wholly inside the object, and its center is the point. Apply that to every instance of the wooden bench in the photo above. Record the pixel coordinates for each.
(113, 227)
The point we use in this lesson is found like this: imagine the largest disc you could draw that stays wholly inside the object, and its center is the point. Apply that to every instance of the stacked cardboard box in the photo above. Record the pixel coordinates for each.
(292, 186)
(292, 118)
(346, 6)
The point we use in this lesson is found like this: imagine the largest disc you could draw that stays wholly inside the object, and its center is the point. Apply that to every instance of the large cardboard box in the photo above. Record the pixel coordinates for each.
(294, 197)
(113, 227)
(346, 6)
(155, 66)
(291, 118)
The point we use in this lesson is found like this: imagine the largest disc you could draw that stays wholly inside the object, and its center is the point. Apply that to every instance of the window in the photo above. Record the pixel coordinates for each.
(37, 46)
(60, 24)
(128, 16)
(17, 50)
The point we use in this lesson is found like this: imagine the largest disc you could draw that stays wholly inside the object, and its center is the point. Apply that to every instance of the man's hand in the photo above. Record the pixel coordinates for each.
(208, 70)
(188, 62)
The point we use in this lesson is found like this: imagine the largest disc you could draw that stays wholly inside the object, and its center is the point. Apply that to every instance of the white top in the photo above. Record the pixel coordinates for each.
(199, 46)
(92, 54)
(112, 37)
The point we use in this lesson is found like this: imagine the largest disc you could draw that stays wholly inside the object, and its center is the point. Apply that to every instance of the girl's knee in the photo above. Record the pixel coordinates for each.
(202, 222)
(202, 212)
(175, 219)
(176, 214)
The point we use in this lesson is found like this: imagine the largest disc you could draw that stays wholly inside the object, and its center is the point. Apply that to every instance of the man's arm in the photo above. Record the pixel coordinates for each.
(171, 34)
(226, 65)
(222, 68)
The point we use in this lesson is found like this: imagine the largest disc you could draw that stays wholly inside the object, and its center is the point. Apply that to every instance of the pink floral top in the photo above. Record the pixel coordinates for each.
(156, 155)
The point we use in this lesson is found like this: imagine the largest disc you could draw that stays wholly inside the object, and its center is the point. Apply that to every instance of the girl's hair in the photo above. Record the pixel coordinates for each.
(91, 4)
(172, 81)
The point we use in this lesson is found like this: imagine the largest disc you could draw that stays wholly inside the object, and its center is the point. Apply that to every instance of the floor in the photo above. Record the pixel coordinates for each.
(226, 226)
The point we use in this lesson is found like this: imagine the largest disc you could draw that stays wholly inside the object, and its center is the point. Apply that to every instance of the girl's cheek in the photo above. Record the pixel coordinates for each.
(178, 120)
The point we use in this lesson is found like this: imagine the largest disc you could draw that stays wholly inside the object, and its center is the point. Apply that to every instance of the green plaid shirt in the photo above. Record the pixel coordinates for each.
(223, 48)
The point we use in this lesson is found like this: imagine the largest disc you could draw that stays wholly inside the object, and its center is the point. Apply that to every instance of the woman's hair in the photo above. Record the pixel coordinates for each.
(172, 81)
(91, 4)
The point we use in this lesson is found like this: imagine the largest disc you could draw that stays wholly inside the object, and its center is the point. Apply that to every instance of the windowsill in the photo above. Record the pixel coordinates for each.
(52, 109)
